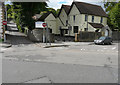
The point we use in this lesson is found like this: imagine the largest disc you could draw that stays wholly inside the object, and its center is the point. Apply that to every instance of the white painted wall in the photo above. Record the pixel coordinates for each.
(78, 17)
(63, 16)
(80, 20)
(51, 21)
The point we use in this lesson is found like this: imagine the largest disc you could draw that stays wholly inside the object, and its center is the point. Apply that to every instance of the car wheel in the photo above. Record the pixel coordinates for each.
(105, 43)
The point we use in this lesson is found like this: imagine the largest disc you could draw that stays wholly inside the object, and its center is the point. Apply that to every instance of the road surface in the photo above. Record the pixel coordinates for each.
(81, 62)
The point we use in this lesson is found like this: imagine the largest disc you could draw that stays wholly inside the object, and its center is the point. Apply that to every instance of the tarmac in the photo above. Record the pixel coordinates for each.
(64, 62)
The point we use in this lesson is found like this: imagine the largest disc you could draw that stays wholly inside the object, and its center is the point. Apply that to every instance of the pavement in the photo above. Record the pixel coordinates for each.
(72, 62)
(5, 45)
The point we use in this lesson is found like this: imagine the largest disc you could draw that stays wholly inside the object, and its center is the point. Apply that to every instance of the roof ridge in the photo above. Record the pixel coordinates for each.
(65, 5)
(87, 3)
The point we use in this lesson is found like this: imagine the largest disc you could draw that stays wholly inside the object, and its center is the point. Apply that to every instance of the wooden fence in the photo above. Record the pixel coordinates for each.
(88, 36)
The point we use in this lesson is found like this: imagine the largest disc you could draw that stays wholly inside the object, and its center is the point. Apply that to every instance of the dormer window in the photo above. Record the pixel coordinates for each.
(86, 17)
(92, 18)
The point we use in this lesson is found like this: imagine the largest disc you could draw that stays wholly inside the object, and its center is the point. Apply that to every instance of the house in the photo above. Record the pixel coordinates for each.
(82, 17)
(50, 19)
(62, 19)
(86, 17)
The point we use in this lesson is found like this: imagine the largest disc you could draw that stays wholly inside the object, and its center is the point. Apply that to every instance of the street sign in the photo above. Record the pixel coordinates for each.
(4, 22)
(44, 24)
(38, 24)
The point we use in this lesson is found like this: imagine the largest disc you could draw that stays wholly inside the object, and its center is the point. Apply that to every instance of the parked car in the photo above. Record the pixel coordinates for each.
(103, 40)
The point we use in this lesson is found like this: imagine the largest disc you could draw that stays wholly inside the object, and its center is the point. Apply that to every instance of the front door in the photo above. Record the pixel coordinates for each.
(75, 29)
(62, 32)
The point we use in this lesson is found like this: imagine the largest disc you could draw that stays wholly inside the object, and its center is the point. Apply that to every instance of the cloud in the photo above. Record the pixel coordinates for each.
(56, 4)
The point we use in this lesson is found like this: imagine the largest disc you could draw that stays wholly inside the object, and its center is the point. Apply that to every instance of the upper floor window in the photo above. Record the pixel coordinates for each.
(66, 22)
(92, 18)
(86, 17)
(101, 21)
(74, 18)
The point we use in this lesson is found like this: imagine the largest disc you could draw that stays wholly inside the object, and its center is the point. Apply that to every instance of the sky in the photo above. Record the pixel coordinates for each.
(56, 4)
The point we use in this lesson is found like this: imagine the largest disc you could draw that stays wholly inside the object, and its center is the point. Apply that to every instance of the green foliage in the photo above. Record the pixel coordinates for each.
(1, 40)
(115, 16)
(52, 10)
(109, 5)
(30, 9)
(22, 13)
(9, 11)
(57, 11)
(112, 10)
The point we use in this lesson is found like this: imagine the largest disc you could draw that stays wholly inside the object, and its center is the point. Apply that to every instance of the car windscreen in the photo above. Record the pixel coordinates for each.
(101, 38)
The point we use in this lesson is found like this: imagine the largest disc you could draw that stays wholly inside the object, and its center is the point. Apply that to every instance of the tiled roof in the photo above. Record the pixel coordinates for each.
(86, 8)
(66, 8)
(96, 25)
(42, 18)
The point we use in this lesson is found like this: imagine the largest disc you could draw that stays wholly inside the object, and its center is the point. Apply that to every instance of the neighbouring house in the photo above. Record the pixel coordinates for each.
(62, 20)
(50, 19)
(37, 34)
(78, 17)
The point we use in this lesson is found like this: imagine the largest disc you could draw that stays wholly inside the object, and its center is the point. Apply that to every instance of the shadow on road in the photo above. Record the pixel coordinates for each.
(17, 40)
(15, 37)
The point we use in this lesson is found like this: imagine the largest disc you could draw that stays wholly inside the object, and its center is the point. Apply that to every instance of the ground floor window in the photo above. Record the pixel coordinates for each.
(50, 30)
(85, 29)
(75, 29)
(66, 31)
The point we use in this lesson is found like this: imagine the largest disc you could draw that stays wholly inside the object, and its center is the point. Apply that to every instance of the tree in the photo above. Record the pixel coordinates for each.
(115, 16)
(108, 8)
(52, 10)
(57, 11)
(25, 10)
(109, 5)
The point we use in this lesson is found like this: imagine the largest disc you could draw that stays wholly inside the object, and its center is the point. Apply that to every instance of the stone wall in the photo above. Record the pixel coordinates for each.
(36, 35)
(115, 35)
(64, 38)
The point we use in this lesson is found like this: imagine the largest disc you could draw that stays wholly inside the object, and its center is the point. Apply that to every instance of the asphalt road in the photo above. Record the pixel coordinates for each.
(61, 64)
(81, 62)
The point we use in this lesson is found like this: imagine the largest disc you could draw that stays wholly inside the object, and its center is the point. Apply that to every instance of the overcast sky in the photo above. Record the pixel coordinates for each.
(56, 4)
